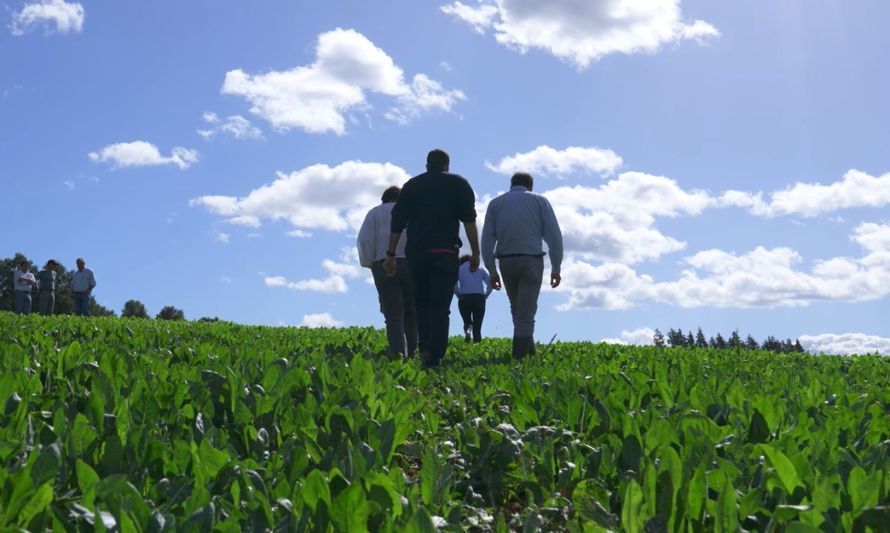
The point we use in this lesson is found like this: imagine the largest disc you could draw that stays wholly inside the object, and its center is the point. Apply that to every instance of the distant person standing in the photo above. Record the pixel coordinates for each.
(82, 284)
(515, 224)
(395, 292)
(46, 298)
(431, 206)
(23, 283)
(472, 289)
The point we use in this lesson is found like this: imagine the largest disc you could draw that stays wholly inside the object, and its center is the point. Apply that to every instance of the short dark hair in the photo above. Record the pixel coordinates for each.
(437, 159)
(522, 178)
(464, 258)
(391, 194)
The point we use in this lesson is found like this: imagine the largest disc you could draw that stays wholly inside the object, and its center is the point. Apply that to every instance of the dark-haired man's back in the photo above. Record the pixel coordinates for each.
(432, 206)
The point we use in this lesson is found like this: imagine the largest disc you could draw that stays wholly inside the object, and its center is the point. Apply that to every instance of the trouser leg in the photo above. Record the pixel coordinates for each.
(420, 278)
(46, 302)
(466, 312)
(478, 315)
(522, 278)
(442, 279)
(23, 303)
(405, 280)
(389, 291)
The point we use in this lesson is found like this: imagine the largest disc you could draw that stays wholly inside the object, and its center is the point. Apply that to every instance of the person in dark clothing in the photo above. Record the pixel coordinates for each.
(431, 206)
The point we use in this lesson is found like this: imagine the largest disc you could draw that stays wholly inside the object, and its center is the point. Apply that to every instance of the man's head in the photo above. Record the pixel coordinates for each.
(522, 178)
(80, 263)
(23, 265)
(50, 265)
(437, 161)
(391, 194)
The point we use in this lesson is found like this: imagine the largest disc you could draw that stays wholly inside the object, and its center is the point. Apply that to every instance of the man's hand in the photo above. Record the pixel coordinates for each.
(389, 266)
(495, 281)
(554, 280)
(474, 262)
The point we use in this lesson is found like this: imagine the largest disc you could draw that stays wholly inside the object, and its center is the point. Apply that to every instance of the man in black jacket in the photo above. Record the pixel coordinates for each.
(432, 206)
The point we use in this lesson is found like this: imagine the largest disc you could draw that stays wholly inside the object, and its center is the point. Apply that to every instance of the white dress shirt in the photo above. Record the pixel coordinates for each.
(373, 237)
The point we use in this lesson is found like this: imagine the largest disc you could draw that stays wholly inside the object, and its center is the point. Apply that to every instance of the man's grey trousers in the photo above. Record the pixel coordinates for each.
(522, 276)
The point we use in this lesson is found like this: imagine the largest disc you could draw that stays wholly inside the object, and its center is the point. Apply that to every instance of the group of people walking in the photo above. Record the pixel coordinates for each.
(411, 244)
(25, 283)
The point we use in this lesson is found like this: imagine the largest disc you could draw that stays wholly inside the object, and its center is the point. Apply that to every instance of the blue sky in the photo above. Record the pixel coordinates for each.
(712, 164)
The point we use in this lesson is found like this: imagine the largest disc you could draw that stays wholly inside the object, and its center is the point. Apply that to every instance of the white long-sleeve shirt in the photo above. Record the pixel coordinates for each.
(373, 237)
(22, 280)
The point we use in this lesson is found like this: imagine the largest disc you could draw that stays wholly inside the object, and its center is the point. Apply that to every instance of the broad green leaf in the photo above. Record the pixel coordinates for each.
(87, 480)
(36, 505)
(350, 509)
(631, 507)
(316, 489)
(784, 468)
(727, 509)
(758, 429)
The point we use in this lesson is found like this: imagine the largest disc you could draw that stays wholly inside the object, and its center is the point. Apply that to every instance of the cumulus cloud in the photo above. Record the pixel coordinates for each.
(759, 278)
(235, 125)
(855, 189)
(143, 154)
(222, 237)
(615, 222)
(58, 15)
(547, 161)
(845, 344)
(335, 282)
(319, 196)
(317, 97)
(320, 320)
(638, 337)
(580, 32)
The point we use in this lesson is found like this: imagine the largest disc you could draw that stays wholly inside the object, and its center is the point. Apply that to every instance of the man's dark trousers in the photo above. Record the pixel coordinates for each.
(472, 310)
(434, 275)
(397, 303)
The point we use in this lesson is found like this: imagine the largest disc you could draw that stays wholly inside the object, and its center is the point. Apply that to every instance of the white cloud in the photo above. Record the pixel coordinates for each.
(222, 237)
(235, 125)
(582, 31)
(845, 344)
(616, 221)
(318, 196)
(226, 280)
(69, 183)
(548, 161)
(759, 278)
(855, 189)
(638, 337)
(330, 285)
(299, 234)
(320, 320)
(315, 98)
(246, 221)
(141, 154)
(64, 17)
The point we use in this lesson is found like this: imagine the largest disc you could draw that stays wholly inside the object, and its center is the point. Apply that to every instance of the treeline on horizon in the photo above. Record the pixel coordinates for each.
(676, 338)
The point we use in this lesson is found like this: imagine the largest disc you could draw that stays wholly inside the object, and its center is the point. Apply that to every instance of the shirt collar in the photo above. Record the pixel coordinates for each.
(522, 188)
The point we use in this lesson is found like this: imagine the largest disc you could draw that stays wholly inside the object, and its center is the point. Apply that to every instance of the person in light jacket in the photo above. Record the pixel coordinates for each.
(395, 293)
(82, 284)
(23, 282)
(515, 224)
(472, 289)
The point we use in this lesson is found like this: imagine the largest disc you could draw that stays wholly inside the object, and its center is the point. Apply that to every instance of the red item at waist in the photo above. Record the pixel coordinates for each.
(442, 251)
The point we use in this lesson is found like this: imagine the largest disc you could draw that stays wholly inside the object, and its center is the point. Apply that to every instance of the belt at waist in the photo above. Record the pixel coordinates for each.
(506, 256)
(27, 291)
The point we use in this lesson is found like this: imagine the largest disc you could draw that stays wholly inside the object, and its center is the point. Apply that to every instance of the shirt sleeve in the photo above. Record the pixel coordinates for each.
(92, 280)
(552, 235)
(401, 212)
(487, 280)
(365, 240)
(489, 239)
(466, 202)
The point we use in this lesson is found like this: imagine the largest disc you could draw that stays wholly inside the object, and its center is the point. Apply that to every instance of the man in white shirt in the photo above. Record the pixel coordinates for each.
(395, 293)
(23, 282)
(82, 283)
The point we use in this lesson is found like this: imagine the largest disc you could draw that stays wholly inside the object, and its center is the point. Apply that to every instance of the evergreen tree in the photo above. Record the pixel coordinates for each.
(735, 340)
(772, 344)
(751, 343)
(712, 343)
(720, 343)
(798, 347)
(700, 339)
(658, 338)
(690, 341)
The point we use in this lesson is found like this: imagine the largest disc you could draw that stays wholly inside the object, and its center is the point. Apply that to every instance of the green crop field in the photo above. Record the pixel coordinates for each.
(149, 426)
